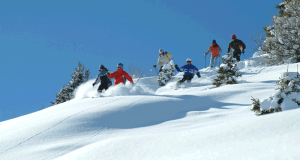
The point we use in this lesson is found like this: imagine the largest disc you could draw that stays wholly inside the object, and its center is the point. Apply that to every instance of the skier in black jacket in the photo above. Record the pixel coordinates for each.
(103, 78)
(237, 46)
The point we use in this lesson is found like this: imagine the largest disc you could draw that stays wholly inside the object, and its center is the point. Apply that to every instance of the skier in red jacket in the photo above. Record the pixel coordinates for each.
(120, 75)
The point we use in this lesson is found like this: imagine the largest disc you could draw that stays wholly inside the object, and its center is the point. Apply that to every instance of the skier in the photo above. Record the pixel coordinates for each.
(103, 78)
(189, 71)
(237, 46)
(119, 75)
(163, 58)
(215, 50)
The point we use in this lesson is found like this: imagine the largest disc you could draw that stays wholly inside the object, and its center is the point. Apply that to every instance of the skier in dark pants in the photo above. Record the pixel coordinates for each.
(103, 78)
(237, 46)
(189, 71)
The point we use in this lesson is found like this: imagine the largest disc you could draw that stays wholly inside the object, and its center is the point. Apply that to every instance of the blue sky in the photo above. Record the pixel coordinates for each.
(41, 42)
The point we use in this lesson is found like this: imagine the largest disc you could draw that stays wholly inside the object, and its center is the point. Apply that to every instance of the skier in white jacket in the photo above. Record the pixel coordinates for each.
(162, 59)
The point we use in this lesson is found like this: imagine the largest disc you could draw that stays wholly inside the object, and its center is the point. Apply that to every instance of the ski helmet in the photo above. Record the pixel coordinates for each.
(101, 67)
(189, 59)
(120, 65)
(214, 41)
(233, 36)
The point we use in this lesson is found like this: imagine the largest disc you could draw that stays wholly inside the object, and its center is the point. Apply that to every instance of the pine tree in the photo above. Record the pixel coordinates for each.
(287, 89)
(287, 84)
(64, 95)
(282, 43)
(228, 71)
(86, 75)
(78, 77)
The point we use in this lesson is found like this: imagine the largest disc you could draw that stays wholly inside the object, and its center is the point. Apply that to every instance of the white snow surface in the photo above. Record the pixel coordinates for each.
(145, 121)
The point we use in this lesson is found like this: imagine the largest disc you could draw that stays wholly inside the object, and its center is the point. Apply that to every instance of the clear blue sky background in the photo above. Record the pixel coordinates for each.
(42, 41)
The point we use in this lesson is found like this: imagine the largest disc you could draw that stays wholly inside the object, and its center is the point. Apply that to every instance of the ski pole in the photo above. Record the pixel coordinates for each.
(244, 55)
(156, 70)
(205, 61)
(205, 78)
(137, 81)
(219, 60)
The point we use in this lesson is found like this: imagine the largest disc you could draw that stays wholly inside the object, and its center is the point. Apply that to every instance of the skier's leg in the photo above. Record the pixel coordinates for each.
(100, 88)
(211, 61)
(237, 55)
(238, 58)
(189, 78)
(216, 61)
(183, 79)
(160, 69)
(234, 55)
(106, 86)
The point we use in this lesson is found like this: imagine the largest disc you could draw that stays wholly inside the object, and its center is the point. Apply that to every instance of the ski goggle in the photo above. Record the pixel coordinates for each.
(188, 61)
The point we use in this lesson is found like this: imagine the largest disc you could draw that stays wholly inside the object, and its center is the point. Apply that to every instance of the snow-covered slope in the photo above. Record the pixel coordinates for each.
(193, 121)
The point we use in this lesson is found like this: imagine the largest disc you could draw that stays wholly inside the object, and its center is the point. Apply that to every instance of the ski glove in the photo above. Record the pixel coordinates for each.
(198, 75)
(176, 66)
(154, 66)
(93, 84)
(243, 51)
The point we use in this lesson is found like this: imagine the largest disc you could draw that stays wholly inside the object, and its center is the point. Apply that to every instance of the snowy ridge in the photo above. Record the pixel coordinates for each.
(192, 121)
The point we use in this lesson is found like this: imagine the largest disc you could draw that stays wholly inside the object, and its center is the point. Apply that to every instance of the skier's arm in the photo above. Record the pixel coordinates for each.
(208, 51)
(229, 47)
(243, 45)
(197, 73)
(97, 79)
(127, 76)
(112, 75)
(220, 50)
(158, 63)
(181, 69)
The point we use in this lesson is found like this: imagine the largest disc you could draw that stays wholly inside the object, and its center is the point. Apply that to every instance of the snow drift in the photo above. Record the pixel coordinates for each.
(145, 121)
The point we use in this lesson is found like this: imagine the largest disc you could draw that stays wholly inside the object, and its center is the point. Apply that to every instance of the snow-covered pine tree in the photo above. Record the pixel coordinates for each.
(78, 77)
(167, 71)
(286, 97)
(86, 75)
(228, 71)
(64, 95)
(282, 42)
(288, 86)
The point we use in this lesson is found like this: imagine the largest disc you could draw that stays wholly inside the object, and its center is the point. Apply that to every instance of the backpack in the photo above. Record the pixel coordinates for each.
(169, 55)
(235, 45)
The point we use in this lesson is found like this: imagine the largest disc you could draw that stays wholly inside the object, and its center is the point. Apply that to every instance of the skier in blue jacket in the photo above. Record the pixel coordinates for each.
(189, 71)
(103, 78)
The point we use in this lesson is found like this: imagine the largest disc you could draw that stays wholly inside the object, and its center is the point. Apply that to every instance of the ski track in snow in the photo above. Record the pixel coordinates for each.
(81, 141)
(97, 132)
(56, 125)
